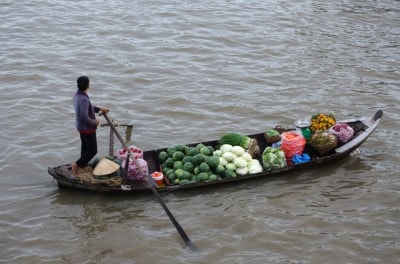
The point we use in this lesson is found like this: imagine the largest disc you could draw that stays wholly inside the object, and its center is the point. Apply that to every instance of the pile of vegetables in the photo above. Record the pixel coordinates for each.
(236, 161)
(273, 158)
(183, 164)
(322, 122)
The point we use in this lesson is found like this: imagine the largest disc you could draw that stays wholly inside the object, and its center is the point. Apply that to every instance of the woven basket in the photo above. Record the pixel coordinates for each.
(323, 142)
(272, 139)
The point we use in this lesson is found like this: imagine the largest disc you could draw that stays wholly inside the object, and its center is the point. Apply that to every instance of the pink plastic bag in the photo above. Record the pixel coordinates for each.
(136, 152)
(343, 131)
(134, 173)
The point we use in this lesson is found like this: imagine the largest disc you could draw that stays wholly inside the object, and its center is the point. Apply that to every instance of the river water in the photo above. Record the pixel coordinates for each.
(189, 71)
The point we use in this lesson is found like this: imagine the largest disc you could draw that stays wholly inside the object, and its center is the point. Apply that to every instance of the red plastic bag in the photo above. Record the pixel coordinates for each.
(292, 143)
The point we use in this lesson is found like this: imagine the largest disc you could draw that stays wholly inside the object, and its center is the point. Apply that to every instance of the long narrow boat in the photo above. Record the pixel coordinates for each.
(363, 127)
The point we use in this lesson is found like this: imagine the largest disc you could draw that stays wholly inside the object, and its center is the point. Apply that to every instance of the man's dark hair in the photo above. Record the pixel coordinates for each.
(83, 82)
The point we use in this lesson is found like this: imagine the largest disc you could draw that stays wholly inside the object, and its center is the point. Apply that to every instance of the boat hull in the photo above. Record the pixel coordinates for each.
(363, 128)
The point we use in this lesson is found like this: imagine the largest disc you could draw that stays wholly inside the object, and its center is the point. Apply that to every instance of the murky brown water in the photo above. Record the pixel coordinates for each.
(185, 72)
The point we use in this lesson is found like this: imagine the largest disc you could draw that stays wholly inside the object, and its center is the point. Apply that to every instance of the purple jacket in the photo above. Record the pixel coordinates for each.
(85, 113)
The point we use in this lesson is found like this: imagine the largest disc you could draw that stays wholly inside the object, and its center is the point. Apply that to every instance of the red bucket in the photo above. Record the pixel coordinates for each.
(158, 178)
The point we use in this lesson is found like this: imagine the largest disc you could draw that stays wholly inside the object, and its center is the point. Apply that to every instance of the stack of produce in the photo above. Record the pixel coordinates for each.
(343, 131)
(184, 164)
(249, 144)
(234, 160)
(321, 122)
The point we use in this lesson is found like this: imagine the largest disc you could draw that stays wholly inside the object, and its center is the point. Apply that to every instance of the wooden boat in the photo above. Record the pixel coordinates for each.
(363, 127)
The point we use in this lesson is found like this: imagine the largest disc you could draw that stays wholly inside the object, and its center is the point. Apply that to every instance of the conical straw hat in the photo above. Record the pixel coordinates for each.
(105, 167)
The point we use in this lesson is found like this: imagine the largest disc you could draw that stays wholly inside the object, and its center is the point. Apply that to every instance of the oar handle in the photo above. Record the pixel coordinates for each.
(115, 130)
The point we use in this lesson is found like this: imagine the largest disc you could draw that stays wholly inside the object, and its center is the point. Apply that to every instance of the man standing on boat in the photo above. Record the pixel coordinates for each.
(86, 124)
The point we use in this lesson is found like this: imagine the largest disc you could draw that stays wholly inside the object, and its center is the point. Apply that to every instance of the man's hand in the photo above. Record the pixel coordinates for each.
(104, 109)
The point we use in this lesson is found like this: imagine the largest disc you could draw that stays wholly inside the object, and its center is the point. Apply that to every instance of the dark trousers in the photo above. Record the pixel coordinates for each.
(88, 149)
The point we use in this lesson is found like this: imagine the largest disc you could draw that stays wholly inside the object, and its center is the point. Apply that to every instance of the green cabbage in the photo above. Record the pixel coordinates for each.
(273, 158)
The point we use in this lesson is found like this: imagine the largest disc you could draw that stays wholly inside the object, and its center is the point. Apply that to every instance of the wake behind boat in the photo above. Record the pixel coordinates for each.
(207, 163)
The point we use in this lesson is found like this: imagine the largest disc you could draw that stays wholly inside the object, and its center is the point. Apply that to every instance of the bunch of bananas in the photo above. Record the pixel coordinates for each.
(322, 122)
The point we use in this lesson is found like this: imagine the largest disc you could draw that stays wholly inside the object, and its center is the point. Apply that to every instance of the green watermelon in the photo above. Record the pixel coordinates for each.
(192, 151)
(203, 176)
(211, 149)
(213, 161)
(187, 159)
(180, 147)
(169, 163)
(171, 177)
(170, 151)
(200, 145)
(213, 177)
(177, 165)
(205, 151)
(184, 181)
(204, 167)
(230, 173)
(178, 155)
(198, 159)
(188, 166)
(182, 174)
(162, 156)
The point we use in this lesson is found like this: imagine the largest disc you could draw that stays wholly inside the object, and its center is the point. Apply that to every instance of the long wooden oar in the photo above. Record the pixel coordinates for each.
(178, 227)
